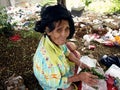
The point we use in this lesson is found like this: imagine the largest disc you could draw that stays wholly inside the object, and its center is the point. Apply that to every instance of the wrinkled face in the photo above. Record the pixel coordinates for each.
(60, 33)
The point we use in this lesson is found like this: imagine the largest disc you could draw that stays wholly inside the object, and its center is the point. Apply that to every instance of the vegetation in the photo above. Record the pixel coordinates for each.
(103, 6)
(94, 72)
(5, 27)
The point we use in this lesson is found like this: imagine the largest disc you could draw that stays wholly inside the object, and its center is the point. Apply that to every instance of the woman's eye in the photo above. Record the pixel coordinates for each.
(67, 29)
(59, 29)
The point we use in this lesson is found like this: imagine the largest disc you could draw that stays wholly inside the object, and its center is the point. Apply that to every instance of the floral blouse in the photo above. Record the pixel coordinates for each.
(51, 66)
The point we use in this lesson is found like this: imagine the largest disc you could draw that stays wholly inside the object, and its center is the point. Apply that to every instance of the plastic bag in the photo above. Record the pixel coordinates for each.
(88, 61)
(114, 71)
(117, 40)
(100, 86)
(113, 77)
(109, 60)
(110, 83)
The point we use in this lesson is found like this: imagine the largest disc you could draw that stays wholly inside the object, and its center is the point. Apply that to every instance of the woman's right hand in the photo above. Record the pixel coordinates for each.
(88, 78)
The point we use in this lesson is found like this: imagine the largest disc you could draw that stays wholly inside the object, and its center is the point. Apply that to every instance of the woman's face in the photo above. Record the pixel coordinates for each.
(60, 33)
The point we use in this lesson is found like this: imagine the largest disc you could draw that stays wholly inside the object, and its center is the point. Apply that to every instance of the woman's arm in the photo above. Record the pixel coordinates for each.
(77, 61)
(74, 55)
(74, 59)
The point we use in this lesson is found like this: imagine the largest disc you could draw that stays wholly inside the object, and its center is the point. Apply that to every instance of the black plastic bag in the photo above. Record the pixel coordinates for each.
(109, 60)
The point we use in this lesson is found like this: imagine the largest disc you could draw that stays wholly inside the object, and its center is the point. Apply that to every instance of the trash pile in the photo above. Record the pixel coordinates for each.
(103, 29)
(24, 17)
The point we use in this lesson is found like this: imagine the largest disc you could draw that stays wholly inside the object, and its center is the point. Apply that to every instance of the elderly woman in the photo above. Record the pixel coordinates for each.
(53, 63)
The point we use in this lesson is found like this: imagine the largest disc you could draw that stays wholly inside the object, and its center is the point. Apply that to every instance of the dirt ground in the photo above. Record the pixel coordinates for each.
(16, 57)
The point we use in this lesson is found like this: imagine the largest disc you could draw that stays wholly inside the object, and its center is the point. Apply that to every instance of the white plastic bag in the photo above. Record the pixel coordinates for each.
(88, 61)
(100, 86)
(114, 71)
(93, 63)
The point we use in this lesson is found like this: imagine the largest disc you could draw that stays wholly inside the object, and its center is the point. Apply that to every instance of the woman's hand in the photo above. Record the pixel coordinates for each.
(88, 78)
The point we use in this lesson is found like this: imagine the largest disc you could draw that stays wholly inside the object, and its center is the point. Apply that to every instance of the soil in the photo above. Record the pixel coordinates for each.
(16, 57)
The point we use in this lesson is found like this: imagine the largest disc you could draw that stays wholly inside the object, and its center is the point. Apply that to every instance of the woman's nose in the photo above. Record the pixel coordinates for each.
(63, 33)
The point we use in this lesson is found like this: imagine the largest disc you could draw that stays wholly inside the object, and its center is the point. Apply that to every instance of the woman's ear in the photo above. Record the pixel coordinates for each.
(47, 31)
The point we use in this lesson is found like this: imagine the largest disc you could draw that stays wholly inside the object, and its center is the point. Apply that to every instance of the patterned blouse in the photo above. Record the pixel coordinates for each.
(51, 66)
